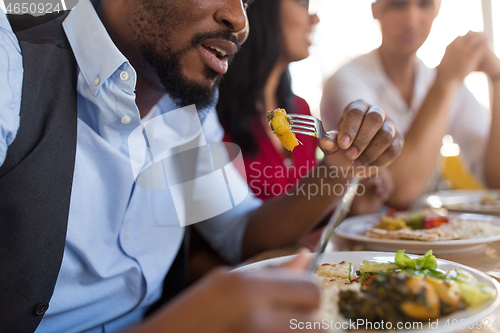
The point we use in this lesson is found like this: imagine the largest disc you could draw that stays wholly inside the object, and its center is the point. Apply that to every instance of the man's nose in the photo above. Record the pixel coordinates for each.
(232, 15)
(413, 13)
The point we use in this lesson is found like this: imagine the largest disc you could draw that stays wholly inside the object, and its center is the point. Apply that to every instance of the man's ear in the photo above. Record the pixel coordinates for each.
(375, 9)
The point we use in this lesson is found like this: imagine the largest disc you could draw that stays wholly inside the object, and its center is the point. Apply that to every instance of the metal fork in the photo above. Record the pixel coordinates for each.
(309, 125)
(312, 126)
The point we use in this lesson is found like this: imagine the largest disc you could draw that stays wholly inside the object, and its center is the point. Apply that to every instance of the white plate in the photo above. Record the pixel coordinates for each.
(467, 316)
(463, 201)
(354, 228)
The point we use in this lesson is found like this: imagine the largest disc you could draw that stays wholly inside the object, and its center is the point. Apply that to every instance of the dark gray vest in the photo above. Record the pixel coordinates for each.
(37, 176)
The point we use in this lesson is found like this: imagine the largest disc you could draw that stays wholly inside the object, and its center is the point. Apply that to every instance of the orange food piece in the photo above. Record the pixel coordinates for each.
(449, 298)
(280, 125)
(419, 311)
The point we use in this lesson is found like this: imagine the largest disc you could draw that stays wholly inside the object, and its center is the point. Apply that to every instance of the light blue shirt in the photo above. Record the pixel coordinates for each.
(121, 238)
(11, 68)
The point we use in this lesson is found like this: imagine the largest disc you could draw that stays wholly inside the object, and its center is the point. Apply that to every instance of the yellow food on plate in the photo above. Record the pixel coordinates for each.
(392, 223)
(421, 310)
(280, 124)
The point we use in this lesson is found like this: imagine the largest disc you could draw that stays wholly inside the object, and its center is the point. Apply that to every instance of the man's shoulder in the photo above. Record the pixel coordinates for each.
(365, 59)
(362, 68)
(365, 63)
(427, 73)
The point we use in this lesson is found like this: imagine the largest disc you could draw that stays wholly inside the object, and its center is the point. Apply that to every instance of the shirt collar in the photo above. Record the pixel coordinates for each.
(90, 41)
(419, 87)
(96, 54)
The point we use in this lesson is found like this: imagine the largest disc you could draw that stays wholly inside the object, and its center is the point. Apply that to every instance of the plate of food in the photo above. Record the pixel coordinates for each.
(385, 291)
(419, 231)
(471, 201)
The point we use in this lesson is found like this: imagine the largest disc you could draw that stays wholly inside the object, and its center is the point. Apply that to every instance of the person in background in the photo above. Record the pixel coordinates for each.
(258, 81)
(254, 83)
(425, 103)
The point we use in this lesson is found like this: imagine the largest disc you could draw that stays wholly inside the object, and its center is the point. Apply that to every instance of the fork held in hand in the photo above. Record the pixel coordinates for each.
(312, 126)
(309, 125)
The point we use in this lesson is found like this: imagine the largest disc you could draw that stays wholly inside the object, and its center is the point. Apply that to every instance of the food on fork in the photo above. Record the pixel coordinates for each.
(280, 124)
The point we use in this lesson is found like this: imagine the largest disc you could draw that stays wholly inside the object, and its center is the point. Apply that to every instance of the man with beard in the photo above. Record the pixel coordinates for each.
(76, 228)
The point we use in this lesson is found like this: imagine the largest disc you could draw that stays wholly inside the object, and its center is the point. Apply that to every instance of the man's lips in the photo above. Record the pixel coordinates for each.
(215, 53)
(408, 38)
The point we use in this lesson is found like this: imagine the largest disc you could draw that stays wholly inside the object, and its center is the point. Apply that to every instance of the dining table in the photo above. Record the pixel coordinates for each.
(486, 260)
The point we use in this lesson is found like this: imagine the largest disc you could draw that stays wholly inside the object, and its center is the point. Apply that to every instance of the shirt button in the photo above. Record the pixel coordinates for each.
(127, 233)
(124, 76)
(126, 120)
(96, 81)
(41, 308)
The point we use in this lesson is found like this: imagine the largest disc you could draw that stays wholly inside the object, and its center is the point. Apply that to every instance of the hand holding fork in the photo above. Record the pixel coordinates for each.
(366, 136)
(364, 133)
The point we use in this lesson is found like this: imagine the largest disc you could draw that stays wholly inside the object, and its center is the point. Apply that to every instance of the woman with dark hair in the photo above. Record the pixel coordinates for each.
(258, 80)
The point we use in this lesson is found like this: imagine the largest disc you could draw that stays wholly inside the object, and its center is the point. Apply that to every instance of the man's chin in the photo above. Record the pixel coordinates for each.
(181, 88)
(202, 96)
(206, 84)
